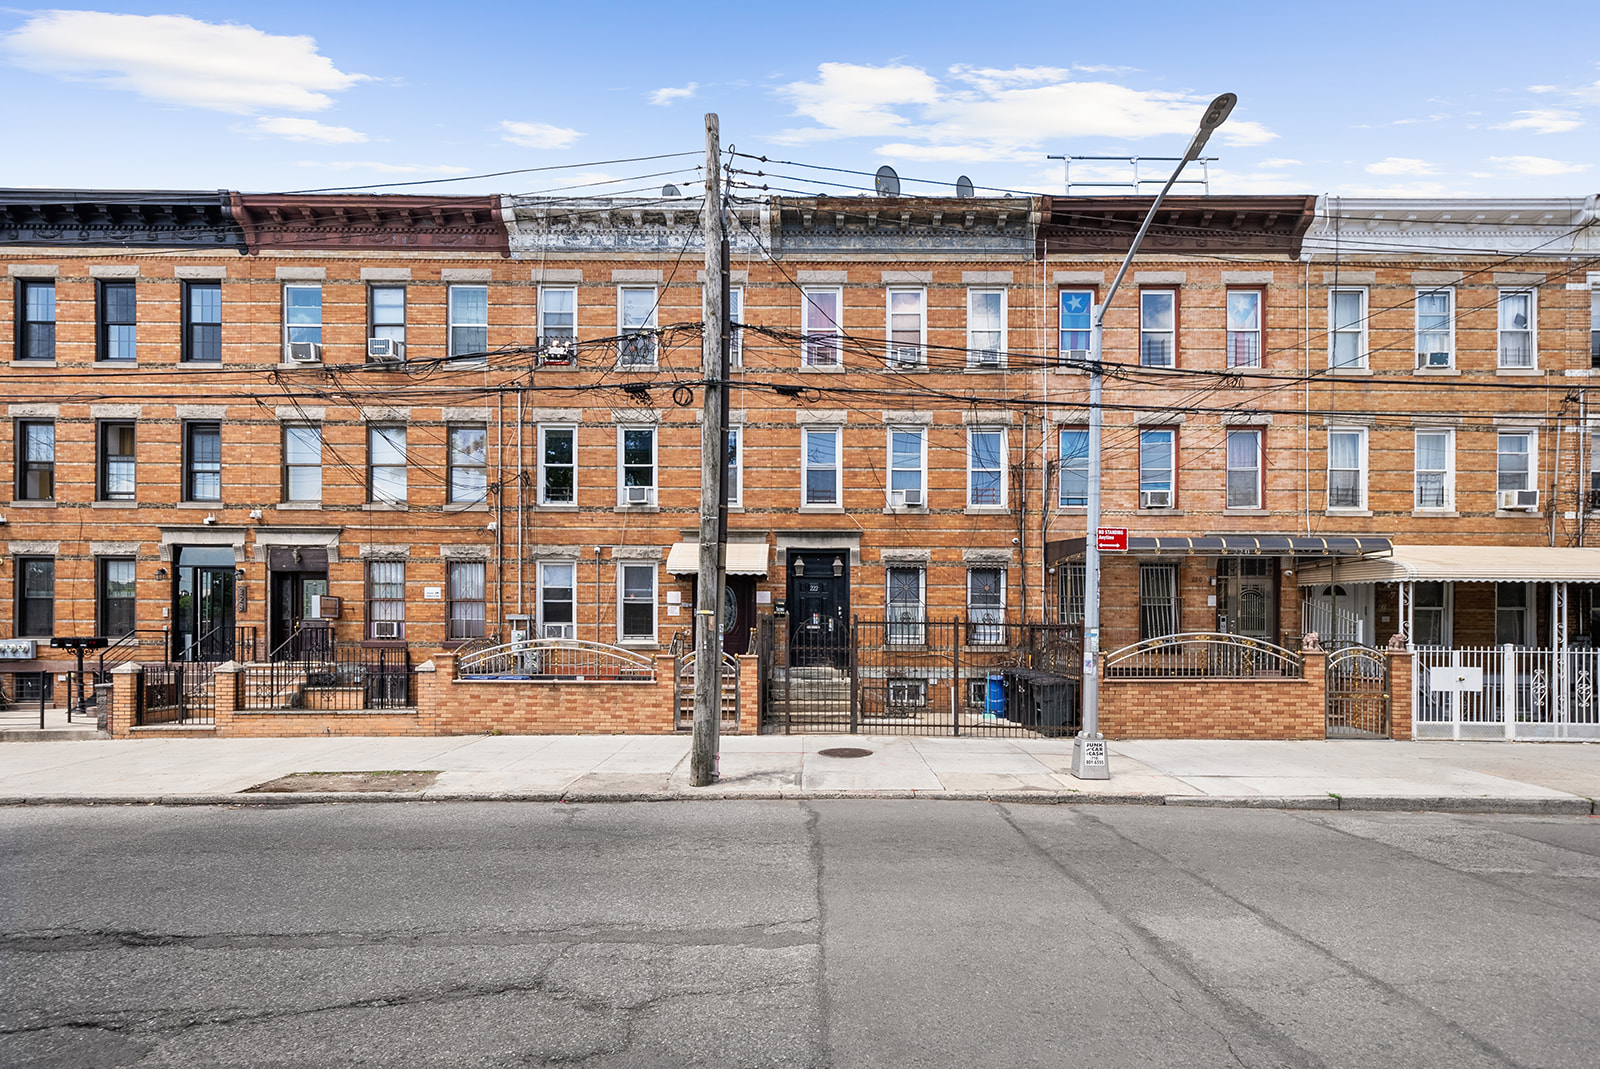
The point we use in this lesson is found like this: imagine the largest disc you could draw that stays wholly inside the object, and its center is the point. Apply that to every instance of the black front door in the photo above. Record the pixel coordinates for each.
(204, 604)
(296, 577)
(819, 608)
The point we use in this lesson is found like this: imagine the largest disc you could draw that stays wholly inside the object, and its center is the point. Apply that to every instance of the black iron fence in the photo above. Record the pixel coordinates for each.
(340, 679)
(950, 677)
(177, 693)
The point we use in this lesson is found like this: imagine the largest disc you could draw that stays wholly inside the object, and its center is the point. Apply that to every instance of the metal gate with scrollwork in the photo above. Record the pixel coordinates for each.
(1357, 686)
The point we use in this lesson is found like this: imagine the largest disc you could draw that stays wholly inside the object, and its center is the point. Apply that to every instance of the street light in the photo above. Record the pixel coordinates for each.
(1089, 749)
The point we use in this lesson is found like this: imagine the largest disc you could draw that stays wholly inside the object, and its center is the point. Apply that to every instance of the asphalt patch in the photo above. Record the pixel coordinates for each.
(351, 782)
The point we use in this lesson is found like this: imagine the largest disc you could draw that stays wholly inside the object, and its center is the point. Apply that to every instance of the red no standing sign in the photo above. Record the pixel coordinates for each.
(1109, 538)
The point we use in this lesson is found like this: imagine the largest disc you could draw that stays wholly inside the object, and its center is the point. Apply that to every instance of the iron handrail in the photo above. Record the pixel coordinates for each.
(1204, 653)
(125, 648)
(553, 658)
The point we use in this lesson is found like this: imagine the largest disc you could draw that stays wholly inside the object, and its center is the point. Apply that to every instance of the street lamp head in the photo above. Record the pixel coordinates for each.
(1215, 115)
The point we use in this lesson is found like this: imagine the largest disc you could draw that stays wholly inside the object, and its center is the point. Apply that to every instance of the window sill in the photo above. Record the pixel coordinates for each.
(734, 509)
(383, 644)
(1070, 370)
(1519, 372)
(210, 365)
(820, 369)
(33, 363)
(466, 506)
(637, 508)
(639, 643)
(385, 506)
(116, 363)
(906, 369)
(823, 510)
(986, 510)
(557, 507)
(1249, 369)
(1358, 371)
(985, 368)
(1436, 372)
(1162, 512)
(1161, 369)
(1502, 514)
(113, 504)
(1072, 510)
(1436, 514)
(1246, 512)
(904, 510)
(298, 506)
(1348, 512)
(210, 505)
(27, 503)
(648, 369)
(1581, 372)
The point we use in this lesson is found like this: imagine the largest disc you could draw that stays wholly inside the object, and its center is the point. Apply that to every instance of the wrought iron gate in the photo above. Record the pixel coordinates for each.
(683, 693)
(1357, 687)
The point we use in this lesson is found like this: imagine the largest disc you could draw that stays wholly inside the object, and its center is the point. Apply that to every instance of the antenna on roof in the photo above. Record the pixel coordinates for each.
(963, 186)
(887, 182)
(670, 190)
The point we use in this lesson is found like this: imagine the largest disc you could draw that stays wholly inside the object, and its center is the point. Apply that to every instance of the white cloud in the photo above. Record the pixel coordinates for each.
(1536, 166)
(666, 97)
(1278, 161)
(988, 114)
(1401, 165)
(383, 168)
(537, 134)
(180, 60)
(1544, 121)
(308, 130)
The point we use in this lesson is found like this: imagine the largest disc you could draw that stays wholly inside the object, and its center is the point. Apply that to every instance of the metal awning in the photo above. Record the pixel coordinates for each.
(744, 558)
(1230, 545)
(1466, 564)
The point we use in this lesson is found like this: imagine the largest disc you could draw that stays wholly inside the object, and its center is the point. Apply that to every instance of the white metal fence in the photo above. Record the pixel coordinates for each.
(1330, 622)
(1505, 692)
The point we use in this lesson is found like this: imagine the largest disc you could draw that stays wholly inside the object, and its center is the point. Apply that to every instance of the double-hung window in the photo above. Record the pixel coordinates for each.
(986, 456)
(636, 323)
(469, 322)
(1514, 467)
(908, 463)
(202, 462)
(114, 596)
(1511, 616)
(36, 596)
(116, 474)
(1594, 319)
(819, 462)
(558, 599)
(1593, 499)
(1158, 600)
(386, 314)
(1436, 328)
(36, 320)
(302, 315)
(1347, 468)
(636, 608)
(386, 464)
(821, 327)
(467, 602)
(636, 447)
(36, 454)
(1516, 328)
(558, 465)
(1244, 328)
(986, 606)
(907, 603)
(558, 325)
(1158, 328)
(469, 464)
(907, 326)
(386, 599)
(733, 489)
(116, 327)
(202, 322)
(1434, 489)
(986, 328)
(735, 326)
(1347, 334)
(1072, 473)
(302, 463)
(1157, 452)
(1077, 313)
(1244, 469)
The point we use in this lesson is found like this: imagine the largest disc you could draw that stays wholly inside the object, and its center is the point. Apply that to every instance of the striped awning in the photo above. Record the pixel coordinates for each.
(1231, 545)
(1465, 564)
(744, 558)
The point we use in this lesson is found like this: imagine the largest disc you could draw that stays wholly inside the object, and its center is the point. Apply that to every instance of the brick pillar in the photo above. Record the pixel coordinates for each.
(662, 718)
(749, 694)
(225, 694)
(127, 681)
(1400, 668)
(444, 665)
(1313, 716)
(425, 684)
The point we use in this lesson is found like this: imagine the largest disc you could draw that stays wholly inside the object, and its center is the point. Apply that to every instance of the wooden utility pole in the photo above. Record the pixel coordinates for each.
(713, 450)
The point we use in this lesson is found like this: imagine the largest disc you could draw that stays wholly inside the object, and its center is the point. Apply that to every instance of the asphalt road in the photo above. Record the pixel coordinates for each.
(831, 933)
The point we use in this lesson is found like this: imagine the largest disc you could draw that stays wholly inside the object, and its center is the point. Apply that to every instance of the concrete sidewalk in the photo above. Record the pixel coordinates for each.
(1487, 777)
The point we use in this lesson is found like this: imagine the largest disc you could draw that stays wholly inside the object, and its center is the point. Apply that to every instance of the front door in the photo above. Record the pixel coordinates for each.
(738, 612)
(296, 577)
(204, 604)
(1247, 601)
(819, 608)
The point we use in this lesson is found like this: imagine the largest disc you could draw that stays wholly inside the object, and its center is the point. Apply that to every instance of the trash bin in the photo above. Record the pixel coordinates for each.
(1055, 704)
(995, 703)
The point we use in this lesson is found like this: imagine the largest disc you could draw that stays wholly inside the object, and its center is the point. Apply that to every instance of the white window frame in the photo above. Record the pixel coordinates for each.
(1079, 462)
(1259, 330)
(816, 342)
(1448, 471)
(1361, 470)
(1358, 330)
(545, 429)
(637, 336)
(386, 331)
(1000, 472)
(837, 467)
(290, 466)
(734, 491)
(893, 345)
(1591, 499)
(1259, 470)
(571, 332)
(1449, 331)
(541, 599)
(1061, 331)
(986, 632)
(452, 322)
(1531, 482)
(891, 490)
(1171, 469)
(1170, 332)
(1531, 330)
(623, 429)
(1000, 348)
(290, 330)
(374, 433)
(1446, 611)
(623, 568)
(736, 333)
(907, 632)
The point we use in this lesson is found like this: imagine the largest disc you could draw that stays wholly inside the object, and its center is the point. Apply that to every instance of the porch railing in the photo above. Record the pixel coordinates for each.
(343, 679)
(1509, 692)
(1203, 654)
(558, 659)
(1332, 623)
(177, 693)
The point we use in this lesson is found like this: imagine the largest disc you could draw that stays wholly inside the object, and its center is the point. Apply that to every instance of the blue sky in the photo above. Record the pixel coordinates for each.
(1359, 99)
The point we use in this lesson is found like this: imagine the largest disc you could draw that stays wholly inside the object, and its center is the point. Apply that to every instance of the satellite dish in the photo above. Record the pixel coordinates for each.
(887, 182)
(670, 190)
(963, 186)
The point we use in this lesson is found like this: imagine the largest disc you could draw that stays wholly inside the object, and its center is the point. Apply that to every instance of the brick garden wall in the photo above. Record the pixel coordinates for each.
(1216, 708)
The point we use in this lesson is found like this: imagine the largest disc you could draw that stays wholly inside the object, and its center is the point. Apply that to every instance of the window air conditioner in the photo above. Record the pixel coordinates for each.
(905, 356)
(386, 629)
(1070, 357)
(557, 631)
(637, 495)
(1433, 359)
(303, 352)
(912, 498)
(1155, 499)
(1518, 500)
(385, 350)
(986, 358)
(558, 351)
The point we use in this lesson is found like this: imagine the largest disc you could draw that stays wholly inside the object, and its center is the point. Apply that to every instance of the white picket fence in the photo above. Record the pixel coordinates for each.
(1505, 692)
(1330, 622)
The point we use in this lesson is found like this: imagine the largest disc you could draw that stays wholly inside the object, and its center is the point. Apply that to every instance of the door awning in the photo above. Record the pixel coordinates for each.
(1466, 564)
(1230, 545)
(744, 558)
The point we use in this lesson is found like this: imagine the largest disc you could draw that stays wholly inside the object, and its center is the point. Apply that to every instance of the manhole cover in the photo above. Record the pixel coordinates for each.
(845, 751)
(306, 782)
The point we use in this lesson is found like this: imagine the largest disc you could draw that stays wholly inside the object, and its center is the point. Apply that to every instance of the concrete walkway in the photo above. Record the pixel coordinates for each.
(1489, 777)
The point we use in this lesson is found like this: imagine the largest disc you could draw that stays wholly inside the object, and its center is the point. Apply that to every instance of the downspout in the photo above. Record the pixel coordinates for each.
(1044, 427)
(522, 506)
(499, 512)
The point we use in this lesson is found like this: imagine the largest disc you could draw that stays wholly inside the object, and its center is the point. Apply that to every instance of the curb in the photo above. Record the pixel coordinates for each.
(1515, 806)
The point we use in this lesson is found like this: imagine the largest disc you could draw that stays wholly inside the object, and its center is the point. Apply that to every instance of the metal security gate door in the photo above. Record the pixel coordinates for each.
(1357, 681)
